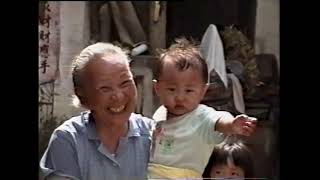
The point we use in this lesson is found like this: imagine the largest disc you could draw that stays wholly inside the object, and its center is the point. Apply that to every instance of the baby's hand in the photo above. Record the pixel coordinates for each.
(244, 125)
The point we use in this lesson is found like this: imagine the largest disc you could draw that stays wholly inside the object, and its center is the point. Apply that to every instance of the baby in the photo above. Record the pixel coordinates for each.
(186, 130)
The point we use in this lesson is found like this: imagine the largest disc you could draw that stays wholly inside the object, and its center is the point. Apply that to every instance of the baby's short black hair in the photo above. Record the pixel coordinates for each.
(186, 54)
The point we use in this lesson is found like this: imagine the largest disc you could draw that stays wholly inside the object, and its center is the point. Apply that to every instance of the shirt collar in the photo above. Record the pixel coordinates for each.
(161, 114)
(91, 126)
(134, 129)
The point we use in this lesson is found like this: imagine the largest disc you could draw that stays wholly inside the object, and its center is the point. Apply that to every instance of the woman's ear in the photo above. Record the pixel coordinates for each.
(80, 94)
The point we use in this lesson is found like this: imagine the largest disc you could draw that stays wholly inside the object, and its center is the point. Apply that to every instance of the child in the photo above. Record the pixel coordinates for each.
(230, 159)
(186, 130)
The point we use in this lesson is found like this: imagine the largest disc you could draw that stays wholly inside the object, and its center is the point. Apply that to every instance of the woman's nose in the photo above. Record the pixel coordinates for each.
(117, 94)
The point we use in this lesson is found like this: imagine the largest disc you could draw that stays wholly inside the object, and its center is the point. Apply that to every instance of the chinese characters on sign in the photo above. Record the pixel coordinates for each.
(49, 42)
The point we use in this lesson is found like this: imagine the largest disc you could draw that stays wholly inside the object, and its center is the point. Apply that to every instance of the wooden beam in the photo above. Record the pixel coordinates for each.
(157, 25)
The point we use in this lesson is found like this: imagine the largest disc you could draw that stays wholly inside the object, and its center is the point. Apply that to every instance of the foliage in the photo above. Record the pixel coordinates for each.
(238, 47)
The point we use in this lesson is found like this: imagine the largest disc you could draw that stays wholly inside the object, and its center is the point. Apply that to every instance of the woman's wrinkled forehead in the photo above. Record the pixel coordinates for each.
(107, 67)
(112, 58)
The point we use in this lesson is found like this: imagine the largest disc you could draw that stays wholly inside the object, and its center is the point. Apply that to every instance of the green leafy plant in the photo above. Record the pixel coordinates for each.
(238, 47)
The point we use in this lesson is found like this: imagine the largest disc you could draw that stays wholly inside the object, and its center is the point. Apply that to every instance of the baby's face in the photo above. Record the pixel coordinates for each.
(180, 91)
(227, 171)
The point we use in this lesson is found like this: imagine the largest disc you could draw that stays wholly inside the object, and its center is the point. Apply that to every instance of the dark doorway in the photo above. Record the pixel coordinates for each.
(191, 18)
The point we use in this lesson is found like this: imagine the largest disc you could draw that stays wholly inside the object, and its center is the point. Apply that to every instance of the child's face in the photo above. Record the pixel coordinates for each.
(226, 171)
(179, 91)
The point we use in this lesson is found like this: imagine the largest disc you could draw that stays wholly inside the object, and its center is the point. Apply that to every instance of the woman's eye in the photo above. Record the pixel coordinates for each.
(171, 89)
(217, 172)
(234, 174)
(126, 83)
(104, 89)
(189, 90)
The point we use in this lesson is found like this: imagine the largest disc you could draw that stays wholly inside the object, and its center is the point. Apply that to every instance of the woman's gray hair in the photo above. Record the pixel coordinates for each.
(88, 54)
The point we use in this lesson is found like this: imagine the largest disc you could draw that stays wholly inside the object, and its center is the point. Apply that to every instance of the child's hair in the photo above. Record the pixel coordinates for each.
(186, 54)
(234, 150)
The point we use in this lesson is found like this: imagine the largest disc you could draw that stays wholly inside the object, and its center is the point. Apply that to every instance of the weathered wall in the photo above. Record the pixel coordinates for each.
(49, 43)
(267, 36)
(74, 32)
(63, 32)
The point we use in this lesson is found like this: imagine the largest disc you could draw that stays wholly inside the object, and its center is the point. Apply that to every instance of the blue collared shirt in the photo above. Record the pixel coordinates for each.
(75, 151)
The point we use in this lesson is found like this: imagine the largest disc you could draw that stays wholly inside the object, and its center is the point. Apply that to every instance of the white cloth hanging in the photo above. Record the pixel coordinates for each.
(237, 93)
(212, 50)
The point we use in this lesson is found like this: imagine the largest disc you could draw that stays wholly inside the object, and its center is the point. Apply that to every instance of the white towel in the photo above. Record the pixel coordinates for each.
(212, 50)
(237, 93)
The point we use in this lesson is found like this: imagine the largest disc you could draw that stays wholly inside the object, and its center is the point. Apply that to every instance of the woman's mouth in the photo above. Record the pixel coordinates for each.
(117, 109)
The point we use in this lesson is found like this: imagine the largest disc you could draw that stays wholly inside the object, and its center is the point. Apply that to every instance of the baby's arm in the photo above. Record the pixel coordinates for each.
(241, 125)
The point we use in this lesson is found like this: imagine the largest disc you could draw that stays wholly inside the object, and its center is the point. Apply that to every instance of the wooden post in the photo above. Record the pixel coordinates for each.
(94, 7)
(105, 22)
(157, 25)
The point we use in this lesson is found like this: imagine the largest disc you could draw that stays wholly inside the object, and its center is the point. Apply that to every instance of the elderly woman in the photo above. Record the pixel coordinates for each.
(108, 141)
